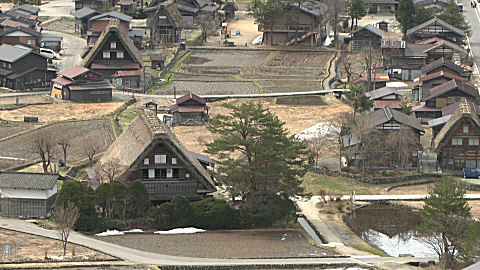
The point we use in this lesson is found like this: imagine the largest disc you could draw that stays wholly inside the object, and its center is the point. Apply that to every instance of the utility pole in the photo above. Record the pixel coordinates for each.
(144, 82)
(369, 68)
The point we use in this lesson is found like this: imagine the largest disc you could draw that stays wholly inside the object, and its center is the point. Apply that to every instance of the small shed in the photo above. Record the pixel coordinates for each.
(127, 79)
(127, 6)
(52, 42)
(137, 37)
(383, 25)
(366, 37)
(190, 110)
(30, 195)
(229, 8)
(158, 61)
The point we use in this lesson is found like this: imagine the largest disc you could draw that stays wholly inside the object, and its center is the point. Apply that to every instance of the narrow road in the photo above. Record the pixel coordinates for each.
(57, 8)
(143, 257)
(472, 16)
(73, 47)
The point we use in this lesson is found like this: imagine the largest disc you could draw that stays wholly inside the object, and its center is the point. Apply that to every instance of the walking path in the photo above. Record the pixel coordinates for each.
(143, 257)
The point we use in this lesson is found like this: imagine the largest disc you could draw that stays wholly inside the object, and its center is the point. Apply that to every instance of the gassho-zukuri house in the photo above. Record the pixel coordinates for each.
(148, 151)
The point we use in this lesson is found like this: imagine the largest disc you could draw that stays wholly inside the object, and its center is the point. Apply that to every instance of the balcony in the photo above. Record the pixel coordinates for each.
(170, 187)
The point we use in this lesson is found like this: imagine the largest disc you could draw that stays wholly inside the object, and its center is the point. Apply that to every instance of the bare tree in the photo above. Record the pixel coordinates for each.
(64, 142)
(348, 67)
(65, 217)
(43, 145)
(335, 8)
(90, 149)
(110, 170)
(403, 143)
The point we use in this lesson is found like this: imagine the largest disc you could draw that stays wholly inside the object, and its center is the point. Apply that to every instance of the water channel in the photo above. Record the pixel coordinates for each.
(392, 229)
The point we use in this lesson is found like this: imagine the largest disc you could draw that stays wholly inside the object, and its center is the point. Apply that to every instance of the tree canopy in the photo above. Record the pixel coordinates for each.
(356, 9)
(255, 153)
(358, 100)
(453, 15)
(409, 15)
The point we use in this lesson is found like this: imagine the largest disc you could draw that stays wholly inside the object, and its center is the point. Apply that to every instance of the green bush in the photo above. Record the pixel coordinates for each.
(266, 210)
(215, 214)
(138, 201)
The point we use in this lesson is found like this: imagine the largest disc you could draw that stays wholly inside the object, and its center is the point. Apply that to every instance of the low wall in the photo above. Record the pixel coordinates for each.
(374, 180)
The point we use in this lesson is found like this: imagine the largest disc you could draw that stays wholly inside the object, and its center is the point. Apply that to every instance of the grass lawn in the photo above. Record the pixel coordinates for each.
(317, 184)
(126, 117)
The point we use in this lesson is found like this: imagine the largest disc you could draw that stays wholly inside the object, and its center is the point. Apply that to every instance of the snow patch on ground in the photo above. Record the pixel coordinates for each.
(188, 230)
(320, 130)
(134, 231)
(397, 85)
(110, 233)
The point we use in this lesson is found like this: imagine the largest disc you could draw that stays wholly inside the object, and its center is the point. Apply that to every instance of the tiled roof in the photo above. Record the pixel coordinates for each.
(18, 180)
(392, 103)
(189, 96)
(372, 29)
(9, 53)
(21, 29)
(452, 85)
(381, 92)
(74, 71)
(386, 114)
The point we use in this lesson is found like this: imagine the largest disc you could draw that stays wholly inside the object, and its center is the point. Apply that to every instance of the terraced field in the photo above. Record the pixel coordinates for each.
(207, 72)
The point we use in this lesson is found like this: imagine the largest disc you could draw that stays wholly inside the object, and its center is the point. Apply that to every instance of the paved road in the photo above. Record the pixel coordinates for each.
(373, 198)
(73, 46)
(143, 257)
(57, 8)
(473, 17)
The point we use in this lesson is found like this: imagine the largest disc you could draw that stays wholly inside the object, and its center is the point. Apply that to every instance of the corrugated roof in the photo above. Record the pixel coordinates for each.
(189, 96)
(439, 121)
(21, 29)
(433, 21)
(84, 12)
(112, 14)
(21, 180)
(392, 103)
(381, 92)
(452, 85)
(441, 62)
(74, 71)
(372, 29)
(92, 85)
(386, 114)
(9, 53)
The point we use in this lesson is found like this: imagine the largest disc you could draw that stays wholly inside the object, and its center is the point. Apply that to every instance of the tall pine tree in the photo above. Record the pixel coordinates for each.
(255, 153)
(453, 15)
(356, 9)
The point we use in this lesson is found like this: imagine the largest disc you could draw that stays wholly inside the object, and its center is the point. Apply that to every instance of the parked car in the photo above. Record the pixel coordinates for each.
(49, 54)
(470, 173)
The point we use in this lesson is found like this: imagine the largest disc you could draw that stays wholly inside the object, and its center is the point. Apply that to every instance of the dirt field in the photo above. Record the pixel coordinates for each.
(224, 244)
(20, 246)
(98, 132)
(8, 128)
(32, 99)
(61, 111)
(296, 118)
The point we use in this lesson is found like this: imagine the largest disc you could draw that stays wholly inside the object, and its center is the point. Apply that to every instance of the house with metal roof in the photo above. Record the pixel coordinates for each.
(22, 68)
(381, 124)
(148, 151)
(366, 37)
(435, 27)
(80, 84)
(381, 6)
(385, 96)
(81, 19)
(423, 84)
(29, 195)
(189, 110)
(21, 35)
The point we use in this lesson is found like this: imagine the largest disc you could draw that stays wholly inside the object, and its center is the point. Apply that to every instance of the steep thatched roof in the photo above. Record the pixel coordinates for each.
(169, 10)
(464, 111)
(113, 29)
(145, 131)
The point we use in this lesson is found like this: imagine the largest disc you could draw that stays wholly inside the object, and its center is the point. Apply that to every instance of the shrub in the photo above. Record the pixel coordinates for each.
(176, 213)
(214, 214)
(267, 209)
(138, 201)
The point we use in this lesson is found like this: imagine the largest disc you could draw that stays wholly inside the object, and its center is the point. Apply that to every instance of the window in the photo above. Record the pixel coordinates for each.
(169, 173)
(160, 159)
(120, 55)
(174, 161)
(31, 41)
(176, 173)
(472, 141)
(457, 141)
(144, 173)
(106, 55)
(157, 174)
(465, 129)
(151, 173)
(164, 173)
(9, 65)
(146, 161)
(113, 45)
(187, 175)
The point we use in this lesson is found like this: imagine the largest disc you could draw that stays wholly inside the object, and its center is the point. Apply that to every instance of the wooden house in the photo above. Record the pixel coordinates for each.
(127, 6)
(97, 24)
(27, 195)
(443, 95)
(23, 69)
(457, 143)
(164, 22)
(79, 84)
(423, 84)
(21, 35)
(442, 64)
(32, 10)
(193, 12)
(380, 124)
(436, 6)
(407, 58)
(158, 61)
(114, 51)
(137, 37)
(6, 24)
(385, 96)
(189, 110)
(366, 37)
(311, 21)
(127, 79)
(81, 19)
(435, 28)
(51, 42)
(98, 5)
(378, 80)
(229, 9)
(381, 6)
(438, 123)
(148, 151)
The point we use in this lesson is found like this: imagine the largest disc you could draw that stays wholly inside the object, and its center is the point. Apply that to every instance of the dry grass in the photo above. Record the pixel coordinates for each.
(61, 111)
(296, 118)
(22, 250)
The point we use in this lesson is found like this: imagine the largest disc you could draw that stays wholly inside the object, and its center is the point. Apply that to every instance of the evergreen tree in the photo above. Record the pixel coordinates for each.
(409, 15)
(358, 100)
(138, 201)
(453, 15)
(446, 219)
(356, 9)
(265, 13)
(255, 153)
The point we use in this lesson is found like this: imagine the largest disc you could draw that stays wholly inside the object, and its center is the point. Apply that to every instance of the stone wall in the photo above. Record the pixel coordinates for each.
(375, 180)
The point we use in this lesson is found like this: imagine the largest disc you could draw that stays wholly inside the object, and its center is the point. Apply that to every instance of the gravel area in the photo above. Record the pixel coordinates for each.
(208, 88)
(98, 132)
(62, 24)
(225, 244)
(223, 58)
